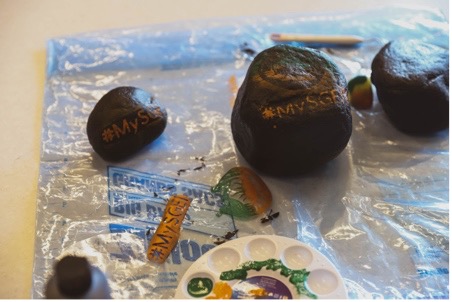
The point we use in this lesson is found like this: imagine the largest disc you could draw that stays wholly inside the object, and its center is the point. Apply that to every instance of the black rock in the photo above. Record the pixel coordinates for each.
(291, 113)
(412, 82)
(125, 120)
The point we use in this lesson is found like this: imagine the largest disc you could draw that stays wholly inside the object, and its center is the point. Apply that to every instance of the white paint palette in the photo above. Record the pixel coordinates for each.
(262, 266)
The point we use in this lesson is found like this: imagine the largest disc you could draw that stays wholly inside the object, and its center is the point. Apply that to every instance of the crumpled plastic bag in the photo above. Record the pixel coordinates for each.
(379, 211)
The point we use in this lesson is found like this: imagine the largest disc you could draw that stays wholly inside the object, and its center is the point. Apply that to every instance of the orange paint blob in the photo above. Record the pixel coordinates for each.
(221, 290)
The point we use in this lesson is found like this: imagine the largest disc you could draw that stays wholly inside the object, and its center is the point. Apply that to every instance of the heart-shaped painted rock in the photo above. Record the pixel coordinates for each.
(125, 120)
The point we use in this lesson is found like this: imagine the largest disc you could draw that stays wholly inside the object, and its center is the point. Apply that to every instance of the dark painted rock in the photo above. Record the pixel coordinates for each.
(125, 120)
(291, 113)
(412, 82)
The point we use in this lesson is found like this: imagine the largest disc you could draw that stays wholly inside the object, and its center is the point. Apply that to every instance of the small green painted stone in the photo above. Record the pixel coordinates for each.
(360, 92)
(243, 192)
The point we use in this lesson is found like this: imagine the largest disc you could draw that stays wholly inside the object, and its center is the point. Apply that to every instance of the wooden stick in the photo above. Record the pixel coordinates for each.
(321, 39)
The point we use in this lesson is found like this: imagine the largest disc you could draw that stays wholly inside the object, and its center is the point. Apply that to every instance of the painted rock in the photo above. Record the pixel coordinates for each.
(124, 121)
(243, 192)
(291, 113)
(411, 78)
(360, 92)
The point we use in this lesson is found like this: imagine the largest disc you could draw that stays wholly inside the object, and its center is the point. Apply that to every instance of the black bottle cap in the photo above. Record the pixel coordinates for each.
(73, 276)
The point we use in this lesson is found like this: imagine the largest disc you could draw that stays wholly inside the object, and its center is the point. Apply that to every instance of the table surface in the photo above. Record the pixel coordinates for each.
(25, 27)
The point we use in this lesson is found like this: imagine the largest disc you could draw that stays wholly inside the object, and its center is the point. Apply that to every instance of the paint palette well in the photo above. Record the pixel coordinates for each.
(262, 266)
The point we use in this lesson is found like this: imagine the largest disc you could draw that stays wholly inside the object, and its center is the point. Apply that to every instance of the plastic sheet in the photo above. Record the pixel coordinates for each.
(379, 211)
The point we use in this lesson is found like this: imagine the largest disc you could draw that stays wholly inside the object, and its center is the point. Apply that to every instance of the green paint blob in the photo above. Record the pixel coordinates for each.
(199, 287)
(296, 277)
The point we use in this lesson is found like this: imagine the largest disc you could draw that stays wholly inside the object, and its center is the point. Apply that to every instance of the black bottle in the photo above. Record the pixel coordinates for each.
(75, 278)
